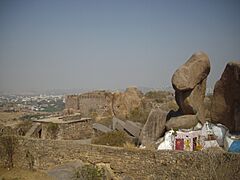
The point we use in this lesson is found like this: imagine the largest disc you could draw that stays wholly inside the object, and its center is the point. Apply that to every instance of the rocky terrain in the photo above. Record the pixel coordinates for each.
(130, 119)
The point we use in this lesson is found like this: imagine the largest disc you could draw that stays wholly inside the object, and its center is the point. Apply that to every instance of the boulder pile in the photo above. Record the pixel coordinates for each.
(189, 83)
(123, 103)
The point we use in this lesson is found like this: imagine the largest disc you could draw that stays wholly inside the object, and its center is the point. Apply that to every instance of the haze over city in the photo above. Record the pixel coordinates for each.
(111, 44)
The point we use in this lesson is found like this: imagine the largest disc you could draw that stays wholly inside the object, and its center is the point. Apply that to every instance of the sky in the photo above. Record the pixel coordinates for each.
(112, 44)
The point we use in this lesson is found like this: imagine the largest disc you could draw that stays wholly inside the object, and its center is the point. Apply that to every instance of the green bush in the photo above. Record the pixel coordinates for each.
(114, 138)
(88, 172)
(33, 116)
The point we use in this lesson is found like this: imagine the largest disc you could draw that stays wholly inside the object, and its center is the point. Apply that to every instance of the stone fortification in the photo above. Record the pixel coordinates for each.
(98, 102)
(72, 102)
(105, 104)
(72, 130)
(135, 163)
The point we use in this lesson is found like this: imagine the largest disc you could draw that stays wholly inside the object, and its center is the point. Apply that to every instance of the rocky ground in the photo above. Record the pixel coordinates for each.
(23, 174)
(211, 164)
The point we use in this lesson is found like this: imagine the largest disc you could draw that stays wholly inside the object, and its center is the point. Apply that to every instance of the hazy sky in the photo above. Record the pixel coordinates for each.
(109, 44)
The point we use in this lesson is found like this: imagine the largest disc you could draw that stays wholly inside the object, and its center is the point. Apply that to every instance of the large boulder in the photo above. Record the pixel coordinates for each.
(192, 72)
(226, 98)
(124, 103)
(154, 127)
(189, 82)
(192, 101)
(182, 122)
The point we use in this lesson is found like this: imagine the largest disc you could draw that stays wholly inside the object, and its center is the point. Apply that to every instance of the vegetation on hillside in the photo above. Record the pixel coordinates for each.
(158, 96)
(114, 138)
(88, 172)
(139, 115)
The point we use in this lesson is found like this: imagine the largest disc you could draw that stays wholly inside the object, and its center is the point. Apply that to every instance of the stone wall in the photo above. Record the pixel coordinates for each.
(98, 102)
(71, 102)
(65, 131)
(78, 130)
(107, 104)
(138, 164)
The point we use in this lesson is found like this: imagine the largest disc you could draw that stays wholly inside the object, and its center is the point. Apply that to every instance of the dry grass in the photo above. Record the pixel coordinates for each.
(8, 118)
(21, 174)
(129, 146)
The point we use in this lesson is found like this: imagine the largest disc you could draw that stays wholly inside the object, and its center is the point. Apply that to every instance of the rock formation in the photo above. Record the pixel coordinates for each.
(124, 103)
(192, 72)
(154, 127)
(190, 101)
(189, 82)
(226, 98)
(105, 103)
(182, 122)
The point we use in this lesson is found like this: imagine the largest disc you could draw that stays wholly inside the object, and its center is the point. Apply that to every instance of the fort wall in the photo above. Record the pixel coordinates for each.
(71, 102)
(139, 164)
(98, 102)
(65, 131)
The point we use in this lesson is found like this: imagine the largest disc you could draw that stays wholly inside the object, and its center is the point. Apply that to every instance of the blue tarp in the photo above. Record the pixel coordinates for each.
(235, 147)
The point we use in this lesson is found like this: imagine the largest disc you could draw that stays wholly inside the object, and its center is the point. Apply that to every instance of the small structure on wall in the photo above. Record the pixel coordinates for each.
(60, 128)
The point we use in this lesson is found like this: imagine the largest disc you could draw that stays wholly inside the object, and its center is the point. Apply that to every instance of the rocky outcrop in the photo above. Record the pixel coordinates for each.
(182, 122)
(192, 72)
(226, 98)
(154, 127)
(189, 82)
(192, 101)
(124, 103)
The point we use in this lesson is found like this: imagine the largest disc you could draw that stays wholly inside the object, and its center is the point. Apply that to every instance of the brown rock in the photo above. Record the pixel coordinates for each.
(192, 101)
(226, 98)
(124, 103)
(192, 72)
(182, 122)
(154, 127)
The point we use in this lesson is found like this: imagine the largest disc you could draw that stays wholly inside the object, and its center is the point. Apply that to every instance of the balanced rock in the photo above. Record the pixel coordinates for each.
(226, 98)
(192, 101)
(182, 122)
(192, 72)
(154, 126)
(124, 103)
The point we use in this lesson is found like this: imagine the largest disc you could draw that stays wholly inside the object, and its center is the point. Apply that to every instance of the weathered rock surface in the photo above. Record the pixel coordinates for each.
(182, 122)
(124, 103)
(192, 72)
(192, 101)
(154, 127)
(226, 98)
(189, 82)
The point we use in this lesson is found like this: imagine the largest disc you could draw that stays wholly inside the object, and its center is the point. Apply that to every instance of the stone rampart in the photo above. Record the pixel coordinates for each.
(139, 164)
(72, 102)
